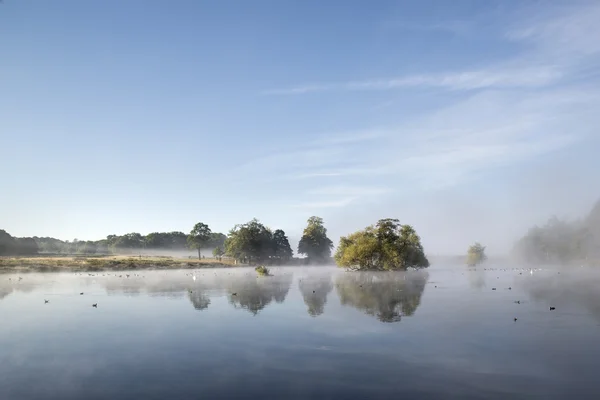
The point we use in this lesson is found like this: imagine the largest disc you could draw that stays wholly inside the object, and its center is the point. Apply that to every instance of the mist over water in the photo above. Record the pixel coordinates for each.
(312, 332)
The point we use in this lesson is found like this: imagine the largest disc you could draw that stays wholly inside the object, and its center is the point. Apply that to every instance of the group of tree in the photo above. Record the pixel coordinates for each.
(254, 243)
(388, 245)
(12, 246)
(128, 243)
(562, 242)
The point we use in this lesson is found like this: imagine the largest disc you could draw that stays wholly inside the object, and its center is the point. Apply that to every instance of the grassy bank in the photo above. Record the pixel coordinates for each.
(104, 263)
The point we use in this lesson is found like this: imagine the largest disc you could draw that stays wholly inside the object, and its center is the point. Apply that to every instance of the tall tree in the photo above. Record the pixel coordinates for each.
(314, 242)
(250, 243)
(199, 237)
(282, 251)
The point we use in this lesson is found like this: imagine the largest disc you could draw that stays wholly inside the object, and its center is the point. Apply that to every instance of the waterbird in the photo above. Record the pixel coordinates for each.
(81, 294)
(515, 318)
(234, 294)
(493, 288)
(46, 301)
(95, 305)
(552, 308)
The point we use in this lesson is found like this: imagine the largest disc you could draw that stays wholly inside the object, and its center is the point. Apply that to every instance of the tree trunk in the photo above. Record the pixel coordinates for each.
(199, 254)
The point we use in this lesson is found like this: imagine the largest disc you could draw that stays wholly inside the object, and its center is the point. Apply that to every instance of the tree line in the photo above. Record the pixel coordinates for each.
(388, 245)
(562, 242)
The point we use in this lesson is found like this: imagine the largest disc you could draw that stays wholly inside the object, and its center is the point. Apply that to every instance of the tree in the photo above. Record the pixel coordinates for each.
(199, 237)
(314, 242)
(386, 246)
(282, 251)
(476, 254)
(218, 253)
(10, 245)
(250, 243)
(87, 247)
(217, 239)
(562, 242)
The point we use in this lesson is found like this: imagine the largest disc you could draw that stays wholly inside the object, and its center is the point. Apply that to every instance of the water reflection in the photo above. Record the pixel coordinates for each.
(314, 289)
(385, 295)
(577, 288)
(243, 289)
(199, 300)
(254, 294)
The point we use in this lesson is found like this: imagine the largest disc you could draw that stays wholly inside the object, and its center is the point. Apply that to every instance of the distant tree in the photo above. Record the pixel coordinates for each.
(218, 253)
(10, 245)
(217, 239)
(282, 251)
(128, 241)
(199, 237)
(385, 246)
(562, 242)
(314, 242)
(86, 247)
(476, 254)
(250, 243)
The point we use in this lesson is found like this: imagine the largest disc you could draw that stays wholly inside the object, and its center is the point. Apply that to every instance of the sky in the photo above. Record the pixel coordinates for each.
(470, 120)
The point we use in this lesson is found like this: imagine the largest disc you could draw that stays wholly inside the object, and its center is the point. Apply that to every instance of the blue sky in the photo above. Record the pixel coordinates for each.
(470, 120)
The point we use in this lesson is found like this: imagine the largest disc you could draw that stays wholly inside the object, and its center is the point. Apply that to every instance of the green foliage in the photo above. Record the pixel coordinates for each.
(385, 246)
(254, 243)
(282, 251)
(199, 237)
(218, 253)
(250, 243)
(216, 240)
(132, 240)
(476, 254)
(314, 243)
(12, 246)
(262, 270)
(562, 242)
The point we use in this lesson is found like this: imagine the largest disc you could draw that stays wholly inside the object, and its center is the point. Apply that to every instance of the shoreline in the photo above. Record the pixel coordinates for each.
(105, 263)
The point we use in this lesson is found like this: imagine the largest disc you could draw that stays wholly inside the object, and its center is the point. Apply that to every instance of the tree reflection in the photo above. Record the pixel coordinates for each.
(254, 294)
(314, 290)
(385, 295)
(199, 300)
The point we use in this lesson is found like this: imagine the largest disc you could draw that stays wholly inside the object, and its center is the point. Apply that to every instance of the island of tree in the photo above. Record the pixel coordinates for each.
(476, 254)
(386, 246)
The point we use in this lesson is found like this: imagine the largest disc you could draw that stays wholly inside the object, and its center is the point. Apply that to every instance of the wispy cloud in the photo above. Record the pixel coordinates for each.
(468, 80)
(526, 106)
(557, 41)
(343, 202)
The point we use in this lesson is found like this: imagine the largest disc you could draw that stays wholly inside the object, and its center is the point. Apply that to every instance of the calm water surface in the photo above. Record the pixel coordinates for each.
(317, 333)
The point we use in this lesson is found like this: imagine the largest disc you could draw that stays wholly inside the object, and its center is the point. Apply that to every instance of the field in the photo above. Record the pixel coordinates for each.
(105, 263)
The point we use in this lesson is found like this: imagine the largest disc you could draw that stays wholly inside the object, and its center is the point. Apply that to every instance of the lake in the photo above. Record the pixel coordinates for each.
(303, 333)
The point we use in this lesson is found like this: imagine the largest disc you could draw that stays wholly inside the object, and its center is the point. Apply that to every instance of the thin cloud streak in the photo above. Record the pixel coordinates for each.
(468, 80)
(326, 204)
